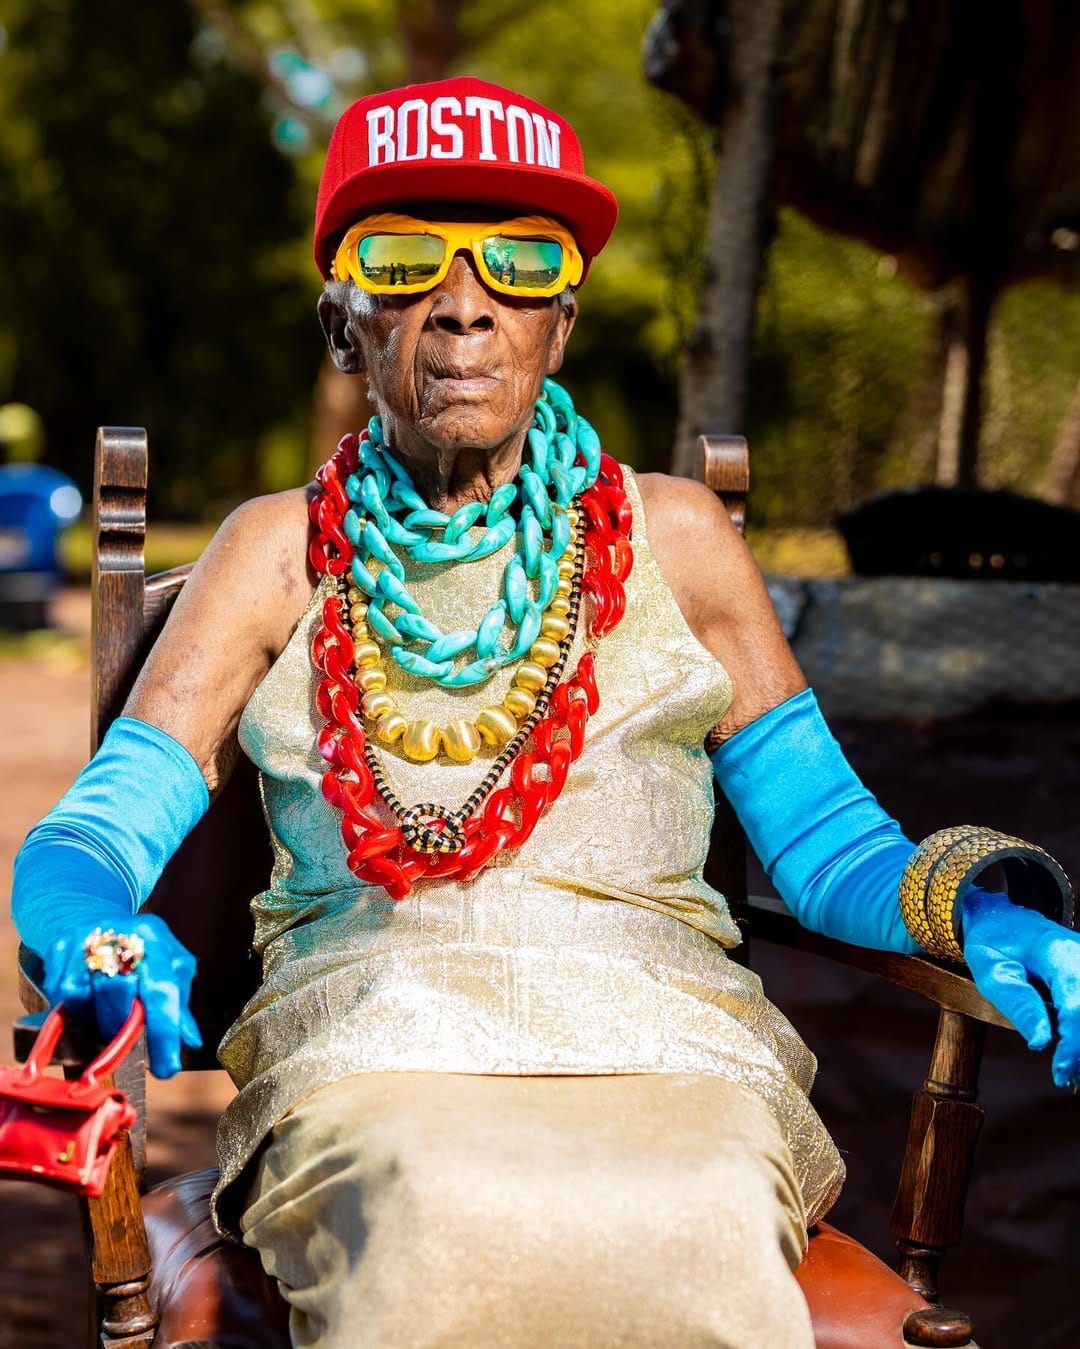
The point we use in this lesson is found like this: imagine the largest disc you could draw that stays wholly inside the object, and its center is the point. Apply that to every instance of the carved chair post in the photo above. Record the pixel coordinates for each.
(120, 1258)
(115, 1232)
(928, 1215)
(120, 473)
(727, 473)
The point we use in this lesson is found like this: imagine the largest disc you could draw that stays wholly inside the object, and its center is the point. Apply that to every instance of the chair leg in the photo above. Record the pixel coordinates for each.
(928, 1214)
(120, 1258)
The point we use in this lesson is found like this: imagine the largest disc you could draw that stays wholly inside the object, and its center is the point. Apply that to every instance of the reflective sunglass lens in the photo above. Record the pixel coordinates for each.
(399, 259)
(532, 263)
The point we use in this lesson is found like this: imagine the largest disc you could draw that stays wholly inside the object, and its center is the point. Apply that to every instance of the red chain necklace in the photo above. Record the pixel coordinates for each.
(380, 851)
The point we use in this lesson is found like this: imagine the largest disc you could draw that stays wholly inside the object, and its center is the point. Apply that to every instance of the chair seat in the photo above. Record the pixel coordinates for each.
(203, 1288)
(855, 1299)
(208, 1290)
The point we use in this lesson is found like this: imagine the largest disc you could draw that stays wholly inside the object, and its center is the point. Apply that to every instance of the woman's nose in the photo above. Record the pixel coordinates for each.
(462, 303)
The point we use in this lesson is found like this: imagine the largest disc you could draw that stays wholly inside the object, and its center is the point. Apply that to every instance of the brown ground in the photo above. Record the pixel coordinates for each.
(1019, 1266)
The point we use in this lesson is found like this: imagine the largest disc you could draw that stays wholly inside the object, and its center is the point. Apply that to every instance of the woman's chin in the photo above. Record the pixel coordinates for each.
(464, 424)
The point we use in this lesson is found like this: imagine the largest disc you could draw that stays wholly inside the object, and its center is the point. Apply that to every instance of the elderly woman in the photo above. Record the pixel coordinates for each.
(501, 1083)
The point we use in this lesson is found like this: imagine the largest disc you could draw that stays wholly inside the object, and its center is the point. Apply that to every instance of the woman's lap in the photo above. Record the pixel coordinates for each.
(422, 1209)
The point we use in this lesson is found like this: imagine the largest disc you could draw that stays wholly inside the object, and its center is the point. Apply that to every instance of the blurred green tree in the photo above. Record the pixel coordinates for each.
(148, 229)
(157, 171)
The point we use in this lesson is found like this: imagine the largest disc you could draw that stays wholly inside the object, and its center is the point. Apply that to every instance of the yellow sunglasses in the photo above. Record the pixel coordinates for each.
(400, 255)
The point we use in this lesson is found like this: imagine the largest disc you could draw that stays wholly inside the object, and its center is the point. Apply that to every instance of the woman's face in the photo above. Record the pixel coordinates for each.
(458, 366)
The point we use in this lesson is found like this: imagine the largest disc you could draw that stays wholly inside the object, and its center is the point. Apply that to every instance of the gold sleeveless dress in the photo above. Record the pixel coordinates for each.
(596, 948)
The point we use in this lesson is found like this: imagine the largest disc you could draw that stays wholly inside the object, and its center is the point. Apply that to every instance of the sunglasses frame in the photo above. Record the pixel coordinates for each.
(459, 236)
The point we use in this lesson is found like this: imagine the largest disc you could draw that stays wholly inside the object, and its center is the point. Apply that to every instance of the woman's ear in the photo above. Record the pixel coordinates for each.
(340, 335)
(566, 311)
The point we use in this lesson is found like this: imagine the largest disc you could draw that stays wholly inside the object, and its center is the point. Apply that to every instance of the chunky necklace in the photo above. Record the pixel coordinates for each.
(462, 738)
(568, 479)
(386, 511)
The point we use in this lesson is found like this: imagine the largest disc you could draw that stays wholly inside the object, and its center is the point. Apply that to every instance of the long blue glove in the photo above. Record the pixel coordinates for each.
(1007, 946)
(833, 854)
(92, 861)
(836, 859)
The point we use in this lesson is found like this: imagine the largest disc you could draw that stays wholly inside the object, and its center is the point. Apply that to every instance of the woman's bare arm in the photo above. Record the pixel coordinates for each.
(721, 594)
(231, 621)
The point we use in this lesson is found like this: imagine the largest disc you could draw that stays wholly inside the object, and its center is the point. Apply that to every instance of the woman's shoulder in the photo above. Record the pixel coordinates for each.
(258, 561)
(270, 533)
(684, 518)
(273, 518)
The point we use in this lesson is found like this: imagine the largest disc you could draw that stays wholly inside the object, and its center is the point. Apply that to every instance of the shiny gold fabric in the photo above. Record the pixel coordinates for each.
(424, 1209)
(595, 948)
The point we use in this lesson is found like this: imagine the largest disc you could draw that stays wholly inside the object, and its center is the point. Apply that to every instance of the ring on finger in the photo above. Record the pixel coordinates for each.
(109, 952)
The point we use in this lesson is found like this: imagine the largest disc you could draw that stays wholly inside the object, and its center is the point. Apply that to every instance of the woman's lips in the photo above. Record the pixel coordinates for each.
(463, 385)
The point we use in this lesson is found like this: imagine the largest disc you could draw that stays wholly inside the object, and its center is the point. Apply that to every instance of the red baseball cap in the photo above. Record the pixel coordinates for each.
(461, 140)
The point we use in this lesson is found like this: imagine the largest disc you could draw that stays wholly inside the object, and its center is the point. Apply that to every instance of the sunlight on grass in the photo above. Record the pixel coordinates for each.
(798, 551)
(166, 546)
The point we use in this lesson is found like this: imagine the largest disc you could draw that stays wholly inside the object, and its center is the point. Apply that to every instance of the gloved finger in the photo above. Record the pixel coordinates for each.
(1066, 1066)
(1054, 958)
(182, 964)
(1057, 962)
(67, 979)
(162, 1006)
(189, 1030)
(183, 968)
(1005, 983)
(113, 996)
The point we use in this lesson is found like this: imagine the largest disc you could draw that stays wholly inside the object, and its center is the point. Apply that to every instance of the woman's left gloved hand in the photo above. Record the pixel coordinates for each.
(1010, 950)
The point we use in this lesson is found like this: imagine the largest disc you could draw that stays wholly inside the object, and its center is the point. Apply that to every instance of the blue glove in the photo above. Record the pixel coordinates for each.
(162, 979)
(93, 860)
(834, 855)
(1006, 946)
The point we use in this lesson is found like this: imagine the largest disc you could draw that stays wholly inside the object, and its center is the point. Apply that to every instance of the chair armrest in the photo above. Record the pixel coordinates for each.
(951, 989)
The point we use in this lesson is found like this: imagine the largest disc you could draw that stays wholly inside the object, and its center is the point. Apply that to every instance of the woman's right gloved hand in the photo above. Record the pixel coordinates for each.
(161, 979)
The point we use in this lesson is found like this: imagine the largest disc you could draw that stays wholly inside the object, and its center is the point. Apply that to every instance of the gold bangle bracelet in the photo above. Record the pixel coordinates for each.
(934, 879)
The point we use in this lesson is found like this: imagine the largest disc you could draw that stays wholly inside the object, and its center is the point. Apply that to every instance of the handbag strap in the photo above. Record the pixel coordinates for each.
(49, 1037)
(119, 1049)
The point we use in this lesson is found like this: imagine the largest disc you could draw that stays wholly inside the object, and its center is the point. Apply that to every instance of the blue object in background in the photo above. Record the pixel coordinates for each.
(36, 504)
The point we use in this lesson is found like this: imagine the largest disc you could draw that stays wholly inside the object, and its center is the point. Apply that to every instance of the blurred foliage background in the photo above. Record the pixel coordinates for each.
(157, 175)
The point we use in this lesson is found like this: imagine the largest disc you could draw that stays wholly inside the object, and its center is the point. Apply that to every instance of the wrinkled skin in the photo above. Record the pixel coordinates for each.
(454, 373)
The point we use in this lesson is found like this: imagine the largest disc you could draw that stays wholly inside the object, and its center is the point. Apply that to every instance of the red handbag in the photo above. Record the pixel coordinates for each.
(65, 1133)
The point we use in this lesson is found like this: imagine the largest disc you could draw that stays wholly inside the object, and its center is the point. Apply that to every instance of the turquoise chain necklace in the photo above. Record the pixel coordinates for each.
(387, 513)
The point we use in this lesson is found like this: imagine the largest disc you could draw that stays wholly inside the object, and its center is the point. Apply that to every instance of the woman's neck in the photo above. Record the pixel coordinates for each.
(448, 478)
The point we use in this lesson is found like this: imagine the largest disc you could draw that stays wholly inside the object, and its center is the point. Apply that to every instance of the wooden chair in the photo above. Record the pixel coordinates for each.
(163, 1277)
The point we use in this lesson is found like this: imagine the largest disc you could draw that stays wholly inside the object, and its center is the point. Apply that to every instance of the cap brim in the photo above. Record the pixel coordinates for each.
(587, 208)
